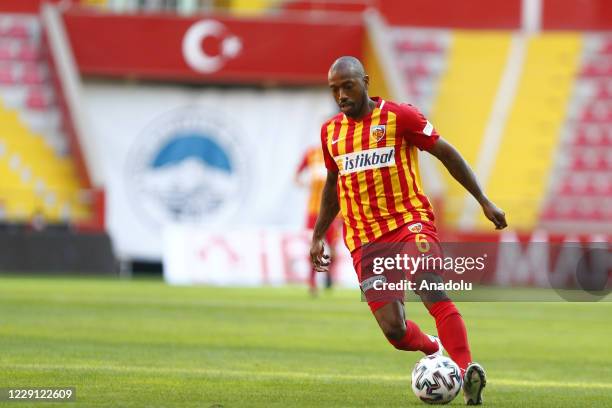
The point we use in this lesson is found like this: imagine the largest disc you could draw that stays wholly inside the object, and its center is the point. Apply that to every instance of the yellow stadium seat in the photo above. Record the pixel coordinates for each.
(523, 165)
(467, 90)
(52, 186)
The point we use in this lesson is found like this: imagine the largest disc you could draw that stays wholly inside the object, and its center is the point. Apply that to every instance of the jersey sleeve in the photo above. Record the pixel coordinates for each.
(417, 130)
(330, 163)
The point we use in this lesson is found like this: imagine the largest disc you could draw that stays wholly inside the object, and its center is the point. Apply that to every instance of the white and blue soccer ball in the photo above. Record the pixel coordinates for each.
(436, 380)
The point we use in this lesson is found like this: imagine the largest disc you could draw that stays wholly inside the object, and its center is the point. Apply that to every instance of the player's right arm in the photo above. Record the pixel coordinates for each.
(327, 214)
(421, 133)
(329, 207)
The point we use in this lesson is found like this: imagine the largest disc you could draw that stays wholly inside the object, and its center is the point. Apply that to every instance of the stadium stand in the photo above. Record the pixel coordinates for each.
(553, 163)
(582, 189)
(441, 67)
(526, 153)
(37, 173)
(421, 58)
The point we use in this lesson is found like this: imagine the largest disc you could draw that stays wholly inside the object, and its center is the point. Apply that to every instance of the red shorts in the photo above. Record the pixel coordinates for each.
(386, 265)
(333, 233)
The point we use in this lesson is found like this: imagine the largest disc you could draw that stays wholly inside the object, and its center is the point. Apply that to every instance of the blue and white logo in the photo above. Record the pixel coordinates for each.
(187, 167)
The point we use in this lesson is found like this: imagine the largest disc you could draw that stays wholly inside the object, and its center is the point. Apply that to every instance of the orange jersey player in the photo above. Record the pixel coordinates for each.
(313, 167)
(370, 152)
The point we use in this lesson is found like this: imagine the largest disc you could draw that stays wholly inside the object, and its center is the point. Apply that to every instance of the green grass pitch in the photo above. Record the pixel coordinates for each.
(144, 344)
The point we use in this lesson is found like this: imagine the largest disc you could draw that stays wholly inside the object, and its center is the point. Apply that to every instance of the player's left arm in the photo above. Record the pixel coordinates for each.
(462, 172)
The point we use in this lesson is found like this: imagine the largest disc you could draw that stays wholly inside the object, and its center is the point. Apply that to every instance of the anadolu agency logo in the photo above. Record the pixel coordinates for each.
(187, 167)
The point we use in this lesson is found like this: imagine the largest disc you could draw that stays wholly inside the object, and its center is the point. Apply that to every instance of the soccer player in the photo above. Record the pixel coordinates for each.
(312, 165)
(370, 154)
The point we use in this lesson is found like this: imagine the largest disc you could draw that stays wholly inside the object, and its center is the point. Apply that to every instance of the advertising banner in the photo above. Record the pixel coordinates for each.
(211, 158)
(580, 265)
(245, 257)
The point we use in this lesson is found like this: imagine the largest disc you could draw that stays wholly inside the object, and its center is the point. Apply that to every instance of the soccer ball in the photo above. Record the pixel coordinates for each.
(436, 380)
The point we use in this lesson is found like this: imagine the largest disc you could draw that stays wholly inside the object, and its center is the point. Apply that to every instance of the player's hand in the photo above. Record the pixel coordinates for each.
(495, 215)
(319, 259)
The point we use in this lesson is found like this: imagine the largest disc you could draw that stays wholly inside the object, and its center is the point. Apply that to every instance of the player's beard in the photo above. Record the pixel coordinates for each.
(357, 107)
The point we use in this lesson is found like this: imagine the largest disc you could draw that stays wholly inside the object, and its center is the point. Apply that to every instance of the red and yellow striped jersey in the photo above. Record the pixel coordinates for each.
(379, 187)
(313, 164)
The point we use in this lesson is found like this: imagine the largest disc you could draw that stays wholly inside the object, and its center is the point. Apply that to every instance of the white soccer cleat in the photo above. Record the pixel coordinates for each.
(474, 381)
(440, 351)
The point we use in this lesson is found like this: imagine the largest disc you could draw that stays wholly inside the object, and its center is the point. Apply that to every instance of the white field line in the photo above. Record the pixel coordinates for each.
(296, 375)
(502, 105)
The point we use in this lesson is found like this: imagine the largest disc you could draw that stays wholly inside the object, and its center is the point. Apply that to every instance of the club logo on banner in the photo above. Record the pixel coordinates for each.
(187, 167)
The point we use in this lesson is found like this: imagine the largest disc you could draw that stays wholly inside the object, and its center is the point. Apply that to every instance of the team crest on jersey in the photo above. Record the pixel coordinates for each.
(415, 228)
(378, 132)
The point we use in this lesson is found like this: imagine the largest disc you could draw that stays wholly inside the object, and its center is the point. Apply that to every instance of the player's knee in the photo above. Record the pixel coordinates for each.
(394, 330)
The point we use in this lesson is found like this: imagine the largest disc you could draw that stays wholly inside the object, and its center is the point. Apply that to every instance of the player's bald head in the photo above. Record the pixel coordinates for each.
(349, 84)
(347, 66)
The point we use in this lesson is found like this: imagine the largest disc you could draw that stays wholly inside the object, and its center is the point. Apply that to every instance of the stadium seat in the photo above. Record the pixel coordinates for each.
(606, 48)
(37, 99)
(6, 51)
(6, 76)
(411, 46)
(32, 75)
(592, 137)
(18, 29)
(603, 92)
(418, 70)
(34, 174)
(27, 52)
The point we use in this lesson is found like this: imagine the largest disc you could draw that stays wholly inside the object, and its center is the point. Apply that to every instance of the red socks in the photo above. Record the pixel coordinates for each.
(452, 332)
(415, 340)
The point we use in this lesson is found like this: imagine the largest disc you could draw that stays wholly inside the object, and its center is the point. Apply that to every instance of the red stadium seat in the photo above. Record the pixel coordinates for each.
(567, 187)
(589, 70)
(418, 70)
(596, 69)
(6, 76)
(404, 46)
(594, 214)
(32, 75)
(37, 99)
(18, 29)
(603, 92)
(548, 214)
(427, 46)
(590, 187)
(581, 138)
(27, 52)
(432, 46)
(606, 48)
(597, 112)
(573, 213)
(598, 137)
(6, 52)
(579, 163)
(607, 189)
(603, 163)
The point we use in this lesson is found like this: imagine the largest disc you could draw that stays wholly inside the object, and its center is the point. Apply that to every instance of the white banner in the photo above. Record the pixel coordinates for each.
(246, 257)
(220, 158)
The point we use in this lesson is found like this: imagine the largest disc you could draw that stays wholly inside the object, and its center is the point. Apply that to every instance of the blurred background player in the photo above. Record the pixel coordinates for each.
(311, 173)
